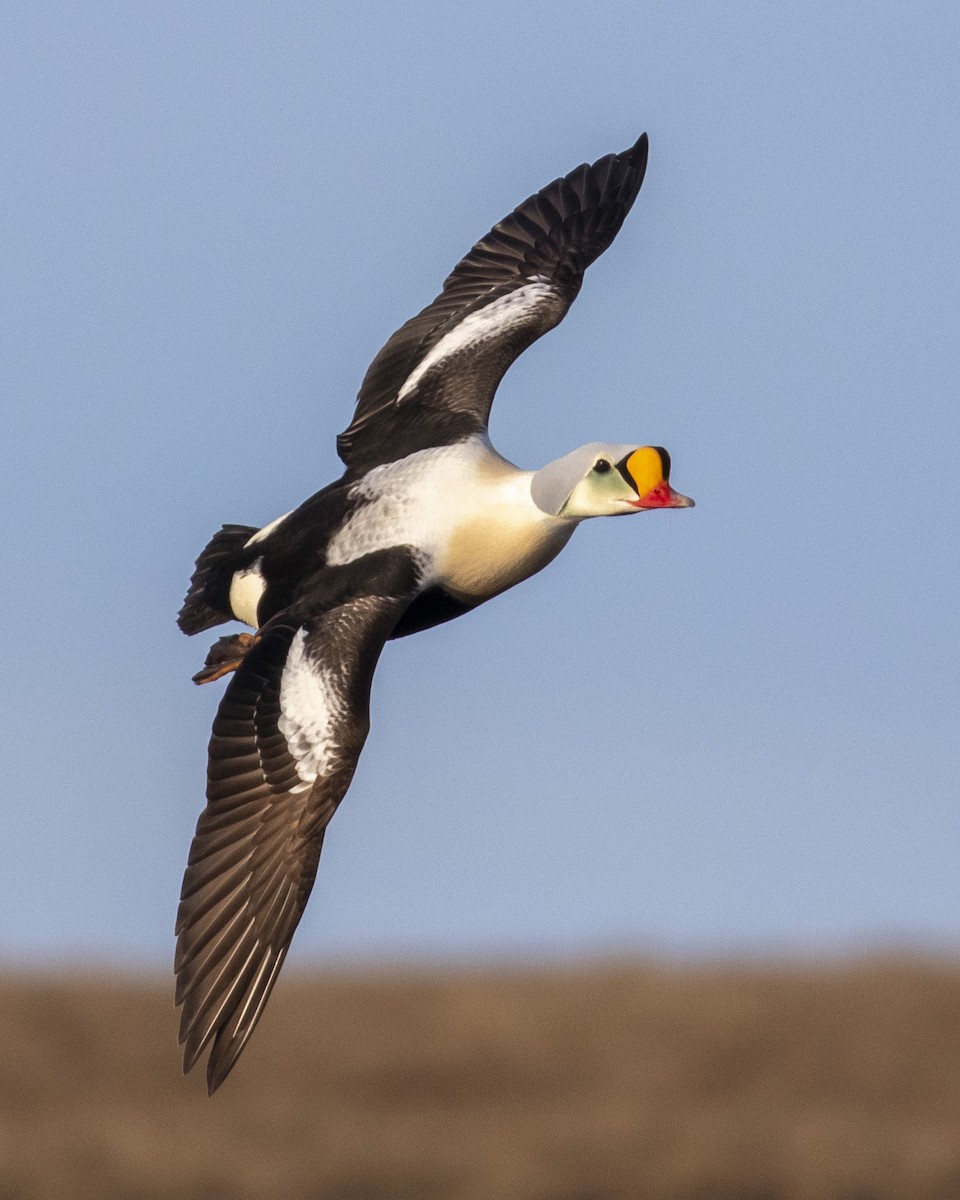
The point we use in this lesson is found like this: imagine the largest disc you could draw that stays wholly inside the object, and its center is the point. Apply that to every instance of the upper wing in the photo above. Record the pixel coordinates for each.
(435, 379)
(285, 745)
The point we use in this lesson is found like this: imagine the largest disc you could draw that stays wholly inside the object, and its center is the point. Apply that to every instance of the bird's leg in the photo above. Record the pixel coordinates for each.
(225, 655)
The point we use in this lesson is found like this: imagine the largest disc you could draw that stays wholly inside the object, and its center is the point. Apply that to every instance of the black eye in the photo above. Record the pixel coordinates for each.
(601, 466)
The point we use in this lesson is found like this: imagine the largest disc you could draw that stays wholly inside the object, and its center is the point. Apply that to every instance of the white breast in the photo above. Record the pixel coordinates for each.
(466, 509)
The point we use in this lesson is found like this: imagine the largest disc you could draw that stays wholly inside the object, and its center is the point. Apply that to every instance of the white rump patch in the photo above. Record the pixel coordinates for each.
(495, 318)
(310, 710)
(246, 588)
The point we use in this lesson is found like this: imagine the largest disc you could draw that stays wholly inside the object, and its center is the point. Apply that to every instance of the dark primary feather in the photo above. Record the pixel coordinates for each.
(555, 234)
(255, 854)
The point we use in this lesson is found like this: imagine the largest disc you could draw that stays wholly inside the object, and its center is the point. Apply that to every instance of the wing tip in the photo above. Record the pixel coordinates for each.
(219, 1065)
(639, 150)
(638, 154)
(223, 1055)
(225, 1043)
(635, 158)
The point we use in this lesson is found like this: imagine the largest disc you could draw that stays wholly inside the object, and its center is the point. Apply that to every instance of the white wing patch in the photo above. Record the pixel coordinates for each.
(310, 710)
(266, 530)
(496, 318)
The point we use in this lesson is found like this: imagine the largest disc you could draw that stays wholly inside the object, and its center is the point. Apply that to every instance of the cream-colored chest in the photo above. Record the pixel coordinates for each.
(466, 509)
(490, 551)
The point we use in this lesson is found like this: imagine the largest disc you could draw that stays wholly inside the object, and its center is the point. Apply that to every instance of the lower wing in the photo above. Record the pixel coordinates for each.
(284, 748)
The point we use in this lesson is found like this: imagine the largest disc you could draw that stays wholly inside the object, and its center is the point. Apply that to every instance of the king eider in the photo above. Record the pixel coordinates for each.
(427, 522)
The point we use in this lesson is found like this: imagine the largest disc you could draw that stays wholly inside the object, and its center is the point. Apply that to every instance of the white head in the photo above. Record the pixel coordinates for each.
(606, 480)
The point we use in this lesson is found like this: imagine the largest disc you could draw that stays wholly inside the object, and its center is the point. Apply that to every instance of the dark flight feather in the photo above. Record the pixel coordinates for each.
(254, 858)
(553, 236)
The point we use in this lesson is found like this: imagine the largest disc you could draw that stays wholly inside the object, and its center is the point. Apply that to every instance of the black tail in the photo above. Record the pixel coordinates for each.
(207, 602)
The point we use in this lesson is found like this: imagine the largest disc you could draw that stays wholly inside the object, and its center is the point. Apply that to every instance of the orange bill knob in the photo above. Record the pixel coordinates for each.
(648, 469)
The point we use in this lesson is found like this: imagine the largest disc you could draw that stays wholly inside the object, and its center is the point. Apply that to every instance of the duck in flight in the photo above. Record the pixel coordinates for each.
(427, 522)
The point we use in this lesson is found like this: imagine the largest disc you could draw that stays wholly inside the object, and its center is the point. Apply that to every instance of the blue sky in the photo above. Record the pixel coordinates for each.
(731, 729)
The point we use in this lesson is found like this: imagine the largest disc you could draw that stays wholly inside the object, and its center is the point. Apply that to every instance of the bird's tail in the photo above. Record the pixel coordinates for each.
(207, 602)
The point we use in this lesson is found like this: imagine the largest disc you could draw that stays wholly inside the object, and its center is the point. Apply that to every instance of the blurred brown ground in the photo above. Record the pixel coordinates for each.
(613, 1081)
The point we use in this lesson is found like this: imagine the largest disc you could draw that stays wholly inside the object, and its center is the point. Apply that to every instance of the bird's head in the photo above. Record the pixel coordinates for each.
(605, 480)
